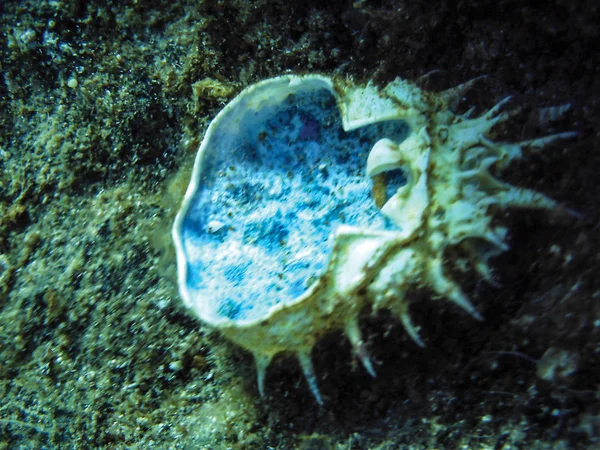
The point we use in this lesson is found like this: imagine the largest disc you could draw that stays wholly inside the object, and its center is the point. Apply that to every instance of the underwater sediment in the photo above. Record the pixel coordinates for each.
(103, 107)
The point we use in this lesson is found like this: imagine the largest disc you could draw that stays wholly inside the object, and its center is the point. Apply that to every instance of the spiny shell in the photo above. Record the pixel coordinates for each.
(313, 198)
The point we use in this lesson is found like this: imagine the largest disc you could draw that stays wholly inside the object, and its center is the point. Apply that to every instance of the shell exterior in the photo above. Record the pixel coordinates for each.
(312, 199)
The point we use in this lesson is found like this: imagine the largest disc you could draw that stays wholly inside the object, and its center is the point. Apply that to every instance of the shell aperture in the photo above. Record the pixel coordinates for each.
(274, 188)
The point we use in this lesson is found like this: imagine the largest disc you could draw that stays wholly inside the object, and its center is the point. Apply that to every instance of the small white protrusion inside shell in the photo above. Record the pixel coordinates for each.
(384, 156)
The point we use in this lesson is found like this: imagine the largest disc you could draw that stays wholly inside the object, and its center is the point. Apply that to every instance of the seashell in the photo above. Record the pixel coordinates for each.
(313, 198)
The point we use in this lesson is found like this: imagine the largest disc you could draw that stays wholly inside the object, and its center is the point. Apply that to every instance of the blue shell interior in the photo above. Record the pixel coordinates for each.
(276, 182)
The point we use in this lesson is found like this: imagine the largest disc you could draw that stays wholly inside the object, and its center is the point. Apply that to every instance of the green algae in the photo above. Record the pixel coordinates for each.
(101, 103)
